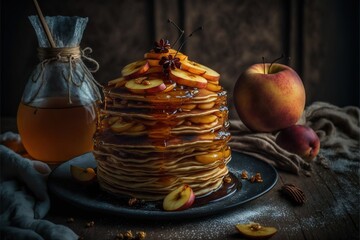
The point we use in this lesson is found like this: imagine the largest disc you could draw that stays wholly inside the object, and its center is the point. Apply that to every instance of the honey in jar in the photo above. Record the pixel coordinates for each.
(57, 114)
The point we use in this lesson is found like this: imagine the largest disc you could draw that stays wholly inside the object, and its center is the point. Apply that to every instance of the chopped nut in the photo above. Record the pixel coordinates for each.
(128, 235)
(70, 220)
(227, 179)
(258, 177)
(255, 226)
(294, 193)
(119, 236)
(252, 179)
(141, 235)
(90, 224)
(139, 80)
(244, 175)
(145, 82)
(133, 201)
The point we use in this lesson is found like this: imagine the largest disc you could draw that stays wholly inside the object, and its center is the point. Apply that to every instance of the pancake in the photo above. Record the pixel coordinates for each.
(161, 127)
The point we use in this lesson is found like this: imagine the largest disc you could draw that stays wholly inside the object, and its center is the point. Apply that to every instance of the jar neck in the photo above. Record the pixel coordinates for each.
(66, 53)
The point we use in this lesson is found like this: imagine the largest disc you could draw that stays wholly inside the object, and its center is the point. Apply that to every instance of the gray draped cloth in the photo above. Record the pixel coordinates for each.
(338, 130)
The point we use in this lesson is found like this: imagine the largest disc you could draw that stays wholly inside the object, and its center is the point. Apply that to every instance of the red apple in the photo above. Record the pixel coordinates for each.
(267, 98)
(300, 140)
(179, 199)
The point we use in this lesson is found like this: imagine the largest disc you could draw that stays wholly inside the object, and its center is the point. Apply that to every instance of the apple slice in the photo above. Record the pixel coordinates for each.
(116, 81)
(120, 126)
(179, 199)
(145, 85)
(135, 69)
(255, 231)
(82, 175)
(210, 74)
(209, 157)
(188, 79)
(203, 119)
(154, 55)
(169, 87)
(192, 67)
(205, 106)
(212, 87)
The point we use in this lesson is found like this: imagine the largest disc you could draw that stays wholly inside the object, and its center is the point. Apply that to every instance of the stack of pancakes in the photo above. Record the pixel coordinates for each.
(162, 126)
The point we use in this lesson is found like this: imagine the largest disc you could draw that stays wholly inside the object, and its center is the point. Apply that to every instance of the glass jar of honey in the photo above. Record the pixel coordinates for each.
(57, 114)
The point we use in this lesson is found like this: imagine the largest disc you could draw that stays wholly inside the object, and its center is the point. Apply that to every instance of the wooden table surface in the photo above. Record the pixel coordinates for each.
(330, 212)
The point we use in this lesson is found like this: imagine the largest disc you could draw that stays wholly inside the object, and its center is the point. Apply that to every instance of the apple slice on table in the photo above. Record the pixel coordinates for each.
(83, 175)
(255, 231)
(135, 69)
(145, 85)
(192, 67)
(188, 79)
(180, 199)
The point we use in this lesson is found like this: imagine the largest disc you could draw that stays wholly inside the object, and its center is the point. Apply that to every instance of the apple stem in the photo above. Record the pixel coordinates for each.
(180, 30)
(263, 59)
(190, 35)
(277, 59)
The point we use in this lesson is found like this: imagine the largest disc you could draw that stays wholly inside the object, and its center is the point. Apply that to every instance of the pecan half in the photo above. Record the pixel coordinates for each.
(294, 193)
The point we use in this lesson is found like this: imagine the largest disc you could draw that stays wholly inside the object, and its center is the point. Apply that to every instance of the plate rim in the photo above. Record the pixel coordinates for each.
(191, 213)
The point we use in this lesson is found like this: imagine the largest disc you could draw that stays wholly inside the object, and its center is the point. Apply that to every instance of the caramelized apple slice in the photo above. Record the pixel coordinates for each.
(116, 81)
(209, 157)
(255, 231)
(213, 87)
(210, 74)
(120, 126)
(192, 67)
(145, 85)
(188, 79)
(135, 69)
(82, 175)
(154, 55)
(179, 199)
(206, 106)
(203, 119)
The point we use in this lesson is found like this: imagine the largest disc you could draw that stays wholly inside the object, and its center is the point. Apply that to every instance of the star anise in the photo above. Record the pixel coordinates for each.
(162, 46)
(169, 62)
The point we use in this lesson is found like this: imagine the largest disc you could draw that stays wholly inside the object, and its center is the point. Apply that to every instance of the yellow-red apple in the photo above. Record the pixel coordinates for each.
(301, 140)
(179, 199)
(269, 97)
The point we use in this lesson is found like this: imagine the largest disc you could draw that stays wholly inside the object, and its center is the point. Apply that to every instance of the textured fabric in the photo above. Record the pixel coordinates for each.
(24, 200)
(338, 129)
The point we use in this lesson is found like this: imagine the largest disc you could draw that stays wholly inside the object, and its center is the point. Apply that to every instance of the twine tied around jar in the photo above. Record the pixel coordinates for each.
(71, 55)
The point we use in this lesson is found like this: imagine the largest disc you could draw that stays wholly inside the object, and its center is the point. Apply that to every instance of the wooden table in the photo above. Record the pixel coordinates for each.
(330, 212)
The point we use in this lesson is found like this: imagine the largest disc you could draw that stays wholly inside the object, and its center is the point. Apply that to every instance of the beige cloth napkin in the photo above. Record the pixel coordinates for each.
(338, 130)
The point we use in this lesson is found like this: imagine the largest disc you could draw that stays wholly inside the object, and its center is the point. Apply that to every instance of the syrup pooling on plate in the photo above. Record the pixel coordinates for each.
(160, 128)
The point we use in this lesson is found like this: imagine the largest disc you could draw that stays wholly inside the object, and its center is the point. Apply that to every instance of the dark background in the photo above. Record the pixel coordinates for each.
(320, 36)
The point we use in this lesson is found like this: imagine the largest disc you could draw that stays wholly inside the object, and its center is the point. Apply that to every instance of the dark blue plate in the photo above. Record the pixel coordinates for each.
(91, 197)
